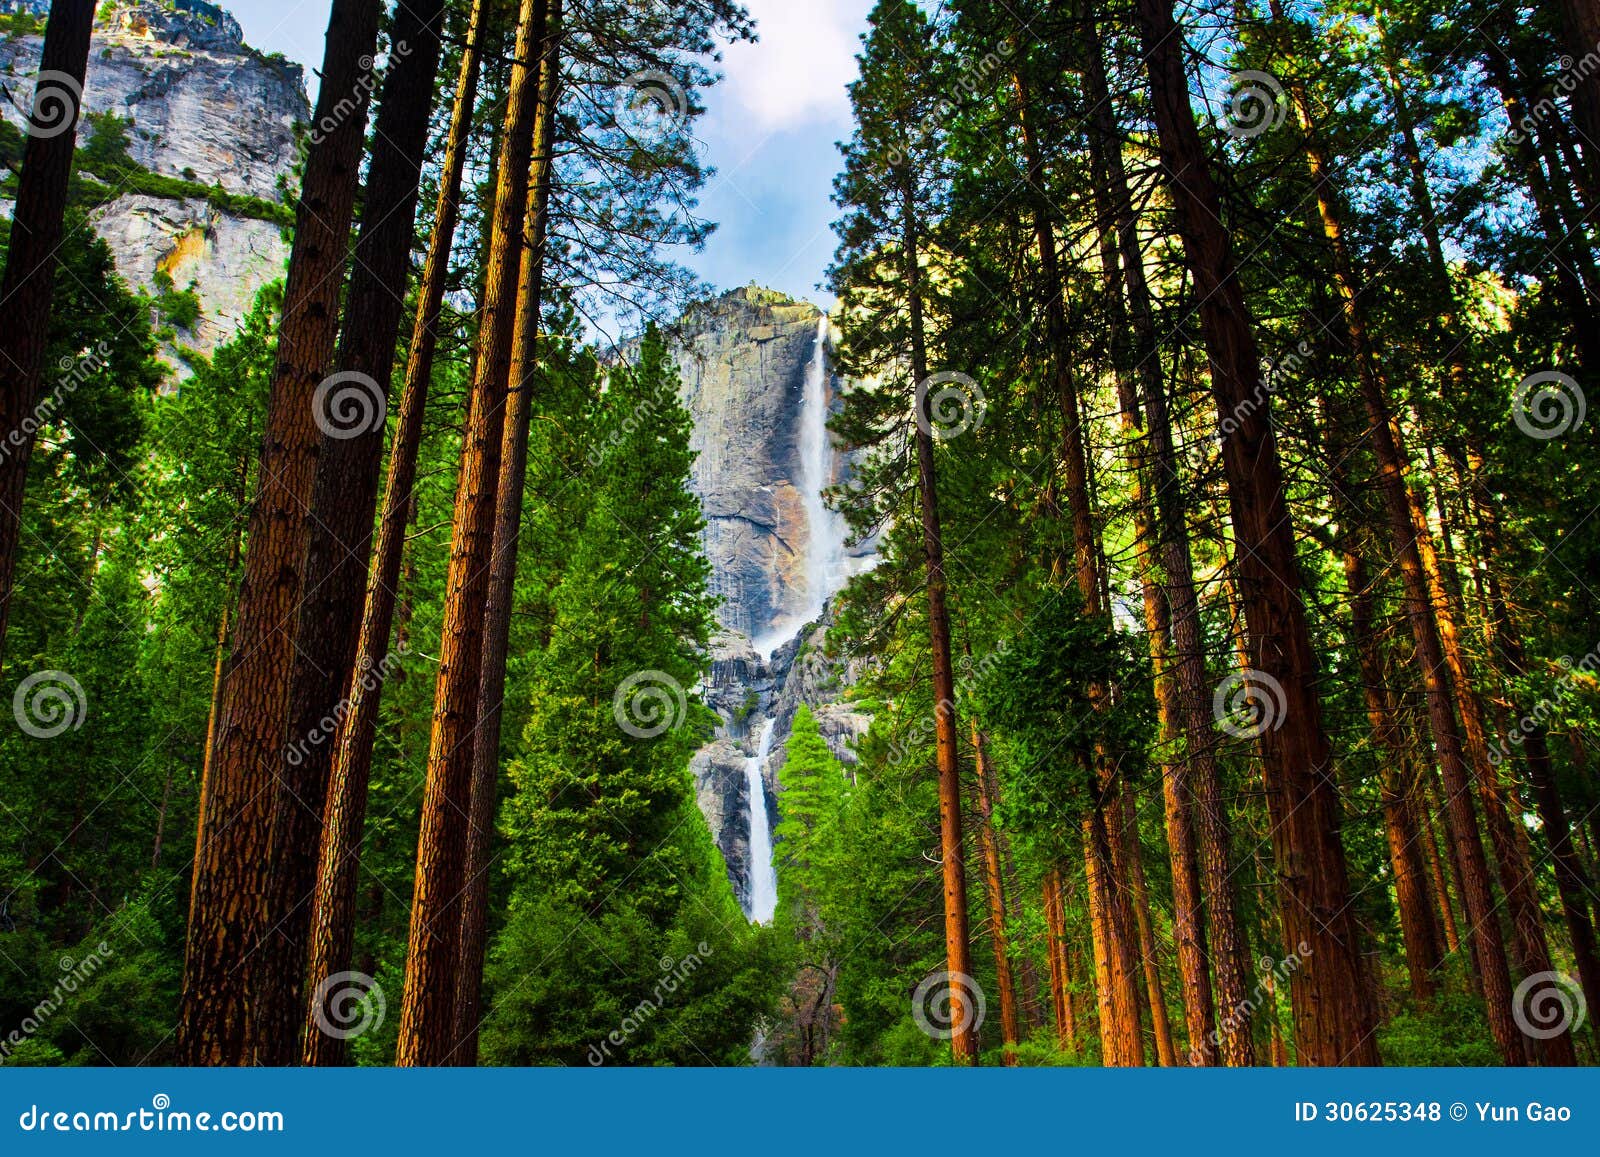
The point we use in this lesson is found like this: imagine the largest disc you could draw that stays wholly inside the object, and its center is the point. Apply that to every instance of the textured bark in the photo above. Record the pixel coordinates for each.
(29, 283)
(994, 884)
(958, 948)
(224, 978)
(332, 930)
(1411, 542)
(1056, 951)
(1335, 1022)
(1111, 910)
(1115, 969)
(503, 563)
(1133, 870)
(1417, 927)
(427, 1016)
(342, 507)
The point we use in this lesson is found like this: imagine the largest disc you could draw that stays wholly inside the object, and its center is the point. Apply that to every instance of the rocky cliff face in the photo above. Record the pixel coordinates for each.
(757, 382)
(204, 108)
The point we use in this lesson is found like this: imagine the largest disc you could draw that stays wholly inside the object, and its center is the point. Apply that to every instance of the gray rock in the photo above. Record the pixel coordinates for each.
(203, 107)
(226, 258)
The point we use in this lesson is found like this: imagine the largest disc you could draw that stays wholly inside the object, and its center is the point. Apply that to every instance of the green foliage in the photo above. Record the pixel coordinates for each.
(624, 943)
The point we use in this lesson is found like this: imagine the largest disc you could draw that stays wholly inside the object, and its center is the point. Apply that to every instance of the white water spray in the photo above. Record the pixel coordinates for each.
(825, 558)
(826, 571)
(763, 877)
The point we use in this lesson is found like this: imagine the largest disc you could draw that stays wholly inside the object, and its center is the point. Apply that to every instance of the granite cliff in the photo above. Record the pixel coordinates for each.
(757, 380)
(204, 110)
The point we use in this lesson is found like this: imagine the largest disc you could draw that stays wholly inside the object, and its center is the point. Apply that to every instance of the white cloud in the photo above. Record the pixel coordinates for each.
(796, 74)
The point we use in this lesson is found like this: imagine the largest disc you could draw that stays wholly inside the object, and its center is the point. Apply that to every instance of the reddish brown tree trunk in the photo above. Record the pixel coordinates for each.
(1191, 788)
(1417, 928)
(332, 932)
(1412, 544)
(958, 951)
(341, 510)
(1133, 870)
(427, 1018)
(225, 985)
(994, 881)
(1055, 947)
(1335, 1022)
(1111, 911)
(31, 258)
(503, 563)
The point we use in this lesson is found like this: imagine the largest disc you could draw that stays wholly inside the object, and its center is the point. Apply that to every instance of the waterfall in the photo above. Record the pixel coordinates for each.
(825, 573)
(763, 877)
(827, 530)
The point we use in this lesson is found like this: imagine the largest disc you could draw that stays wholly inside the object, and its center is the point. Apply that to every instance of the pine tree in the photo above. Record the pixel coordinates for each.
(29, 282)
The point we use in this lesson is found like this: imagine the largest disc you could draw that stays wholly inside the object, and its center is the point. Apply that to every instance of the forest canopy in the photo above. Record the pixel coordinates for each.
(1210, 676)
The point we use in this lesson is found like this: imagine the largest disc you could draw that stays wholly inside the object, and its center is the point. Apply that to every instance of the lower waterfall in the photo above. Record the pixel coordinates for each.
(763, 876)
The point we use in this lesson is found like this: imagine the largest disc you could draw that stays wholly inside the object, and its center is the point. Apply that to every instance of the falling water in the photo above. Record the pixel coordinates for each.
(763, 878)
(825, 573)
(825, 559)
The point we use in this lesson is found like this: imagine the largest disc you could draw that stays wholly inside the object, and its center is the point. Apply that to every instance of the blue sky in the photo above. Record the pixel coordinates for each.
(769, 131)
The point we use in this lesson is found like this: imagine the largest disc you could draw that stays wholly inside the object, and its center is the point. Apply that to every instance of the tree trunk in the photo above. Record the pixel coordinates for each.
(29, 283)
(224, 979)
(1055, 945)
(503, 563)
(427, 1008)
(1160, 1023)
(1195, 800)
(1335, 1022)
(994, 881)
(332, 932)
(958, 950)
(219, 678)
(342, 507)
(1581, 25)
(1417, 927)
(1411, 542)
(1113, 925)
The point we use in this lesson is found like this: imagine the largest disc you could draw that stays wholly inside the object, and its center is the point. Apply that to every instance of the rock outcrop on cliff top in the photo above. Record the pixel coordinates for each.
(203, 108)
